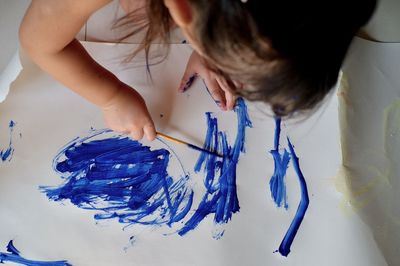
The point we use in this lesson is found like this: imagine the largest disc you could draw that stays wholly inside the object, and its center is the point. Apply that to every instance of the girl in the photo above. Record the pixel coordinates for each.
(287, 53)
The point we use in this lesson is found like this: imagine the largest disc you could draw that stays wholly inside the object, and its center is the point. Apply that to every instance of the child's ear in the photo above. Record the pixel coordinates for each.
(180, 11)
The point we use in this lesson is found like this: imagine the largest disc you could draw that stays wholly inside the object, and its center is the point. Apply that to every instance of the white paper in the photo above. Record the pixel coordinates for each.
(370, 97)
(48, 116)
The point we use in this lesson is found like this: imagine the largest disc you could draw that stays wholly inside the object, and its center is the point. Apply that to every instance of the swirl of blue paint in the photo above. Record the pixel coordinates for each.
(120, 179)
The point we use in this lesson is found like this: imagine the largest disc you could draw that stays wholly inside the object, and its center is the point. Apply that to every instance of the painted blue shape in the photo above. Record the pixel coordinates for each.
(11, 248)
(122, 179)
(220, 180)
(7, 153)
(14, 256)
(281, 161)
(284, 248)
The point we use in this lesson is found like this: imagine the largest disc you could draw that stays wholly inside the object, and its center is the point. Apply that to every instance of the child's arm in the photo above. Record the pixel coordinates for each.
(47, 34)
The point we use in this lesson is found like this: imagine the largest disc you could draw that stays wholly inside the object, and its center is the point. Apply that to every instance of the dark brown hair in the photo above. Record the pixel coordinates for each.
(287, 53)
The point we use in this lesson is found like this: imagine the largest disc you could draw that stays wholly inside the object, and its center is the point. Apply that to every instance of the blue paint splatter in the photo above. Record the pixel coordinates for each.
(120, 179)
(284, 248)
(14, 256)
(220, 180)
(281, 161)
(7, 153)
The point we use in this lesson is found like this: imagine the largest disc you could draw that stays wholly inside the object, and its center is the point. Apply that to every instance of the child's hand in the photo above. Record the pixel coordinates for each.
(127, 113)
(217, 86)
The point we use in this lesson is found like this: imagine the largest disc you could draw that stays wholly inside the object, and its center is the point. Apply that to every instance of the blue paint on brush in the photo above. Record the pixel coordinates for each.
(14, 256)
(121, 179)
(7, 153)
(220, 198)
(281, 161)
(284, 248)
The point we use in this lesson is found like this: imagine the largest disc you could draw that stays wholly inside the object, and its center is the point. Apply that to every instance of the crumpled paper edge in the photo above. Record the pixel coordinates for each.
(9, 75)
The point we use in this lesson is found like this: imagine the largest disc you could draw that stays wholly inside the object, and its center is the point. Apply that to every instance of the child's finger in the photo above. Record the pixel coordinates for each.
(187, 81)
(216, 92)
(150, 131)
(230, 100)
(137, 133)
(228, 92)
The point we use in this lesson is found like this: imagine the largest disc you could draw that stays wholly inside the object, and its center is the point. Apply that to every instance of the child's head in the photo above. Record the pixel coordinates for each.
(287, 53)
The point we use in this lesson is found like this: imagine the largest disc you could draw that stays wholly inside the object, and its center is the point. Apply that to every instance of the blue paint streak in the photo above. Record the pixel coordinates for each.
(281, 161)
(284, 248)
(6, 154)
(220, 180)
(15, 257)
(120, 179)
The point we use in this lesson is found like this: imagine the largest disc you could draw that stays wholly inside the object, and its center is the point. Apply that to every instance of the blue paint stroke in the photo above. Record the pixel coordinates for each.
(220, 180)
(120, 179)
(281, 161)
(14, 256)
(6, 154)
(284, 248)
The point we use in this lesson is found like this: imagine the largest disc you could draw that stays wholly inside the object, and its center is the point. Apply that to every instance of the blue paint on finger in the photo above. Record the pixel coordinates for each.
(189, 82)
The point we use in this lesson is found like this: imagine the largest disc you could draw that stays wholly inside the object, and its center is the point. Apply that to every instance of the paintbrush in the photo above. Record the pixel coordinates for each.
(192, 146)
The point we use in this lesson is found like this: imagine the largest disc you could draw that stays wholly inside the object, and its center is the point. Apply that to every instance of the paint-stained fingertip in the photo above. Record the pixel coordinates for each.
(185, 86)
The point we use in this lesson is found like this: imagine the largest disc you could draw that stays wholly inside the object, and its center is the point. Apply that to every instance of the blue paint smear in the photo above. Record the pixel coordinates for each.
(121, 179)
(220, 180)
(7, 153)
(15, 257)
(284, 248)
(281, 161)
